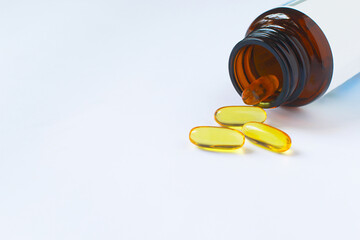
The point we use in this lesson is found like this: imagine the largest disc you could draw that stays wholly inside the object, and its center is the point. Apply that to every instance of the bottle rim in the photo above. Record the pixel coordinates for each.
(279, 55)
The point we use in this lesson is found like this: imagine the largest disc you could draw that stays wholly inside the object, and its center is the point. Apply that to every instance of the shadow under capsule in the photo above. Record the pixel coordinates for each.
(241, 151)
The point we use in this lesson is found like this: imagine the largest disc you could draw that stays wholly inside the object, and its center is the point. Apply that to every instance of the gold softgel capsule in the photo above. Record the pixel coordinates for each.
(216, 138)
(267, 136)
(236, 116)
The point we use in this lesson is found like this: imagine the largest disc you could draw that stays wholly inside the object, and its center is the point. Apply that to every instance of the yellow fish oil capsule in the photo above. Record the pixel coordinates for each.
(236, 116)
(267, 136)
(216, 138)
(260, 89)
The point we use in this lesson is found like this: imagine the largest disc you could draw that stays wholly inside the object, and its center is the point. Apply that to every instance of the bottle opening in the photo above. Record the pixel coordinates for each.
(283, 45)
(258, 74)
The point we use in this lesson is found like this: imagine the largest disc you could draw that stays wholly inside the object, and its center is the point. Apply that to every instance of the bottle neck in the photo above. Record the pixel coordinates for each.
(287, 44)
(287, 53)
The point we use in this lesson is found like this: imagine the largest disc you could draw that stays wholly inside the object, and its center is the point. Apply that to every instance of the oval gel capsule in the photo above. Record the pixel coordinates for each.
(267, 136)
(216, 138)
(236, 116)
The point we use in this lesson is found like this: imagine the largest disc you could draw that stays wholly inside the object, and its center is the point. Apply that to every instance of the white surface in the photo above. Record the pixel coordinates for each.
(97, 99)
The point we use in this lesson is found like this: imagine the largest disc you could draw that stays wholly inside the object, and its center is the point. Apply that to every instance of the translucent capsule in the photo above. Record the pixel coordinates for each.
(216, 138)
(260, 89)
(236, 116)
(267, 136)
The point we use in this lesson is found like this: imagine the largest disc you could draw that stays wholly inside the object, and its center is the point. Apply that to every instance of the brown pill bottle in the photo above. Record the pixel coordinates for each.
(286, 59)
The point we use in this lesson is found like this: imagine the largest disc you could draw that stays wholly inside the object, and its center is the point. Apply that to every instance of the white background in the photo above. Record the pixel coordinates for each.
(96, 102)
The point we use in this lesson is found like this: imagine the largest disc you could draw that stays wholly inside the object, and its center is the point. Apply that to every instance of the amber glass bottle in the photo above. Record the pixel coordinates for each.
(286, 44)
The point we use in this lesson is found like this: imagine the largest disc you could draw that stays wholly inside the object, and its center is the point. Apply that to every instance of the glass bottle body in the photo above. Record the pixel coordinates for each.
(286, 43)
